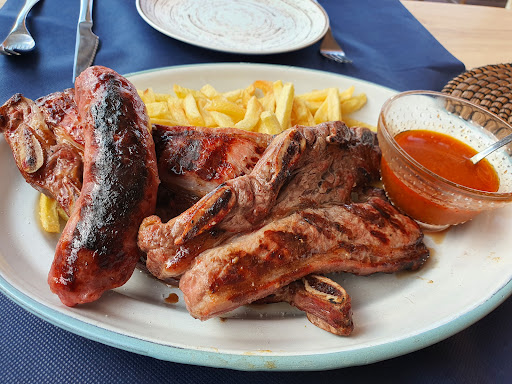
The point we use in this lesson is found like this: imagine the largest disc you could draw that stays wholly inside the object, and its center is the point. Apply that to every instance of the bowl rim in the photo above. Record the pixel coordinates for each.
(419, 168)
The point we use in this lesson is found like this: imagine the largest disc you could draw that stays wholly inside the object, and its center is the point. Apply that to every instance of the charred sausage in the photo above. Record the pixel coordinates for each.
(98, 247)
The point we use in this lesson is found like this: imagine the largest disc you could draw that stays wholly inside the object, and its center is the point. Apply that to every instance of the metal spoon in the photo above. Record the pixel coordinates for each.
(487, 151)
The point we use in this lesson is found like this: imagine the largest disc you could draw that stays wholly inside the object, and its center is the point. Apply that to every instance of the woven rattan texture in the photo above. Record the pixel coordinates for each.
(489, 86)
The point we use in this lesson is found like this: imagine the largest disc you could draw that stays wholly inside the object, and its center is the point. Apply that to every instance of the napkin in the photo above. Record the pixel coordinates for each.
(387, 44)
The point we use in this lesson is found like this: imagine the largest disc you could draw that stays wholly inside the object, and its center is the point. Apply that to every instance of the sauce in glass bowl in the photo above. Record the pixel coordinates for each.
(446, 157)
(426, 171)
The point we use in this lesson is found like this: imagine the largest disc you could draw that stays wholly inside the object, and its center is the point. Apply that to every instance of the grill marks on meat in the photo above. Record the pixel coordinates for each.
(361, 238)
(192, 161)
(47, 157)
(348, 161)
(302, 163)
(304, 209)
(97, 250)
(197, 159)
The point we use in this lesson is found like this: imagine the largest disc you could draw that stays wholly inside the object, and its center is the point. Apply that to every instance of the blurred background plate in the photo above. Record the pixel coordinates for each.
(242, 26)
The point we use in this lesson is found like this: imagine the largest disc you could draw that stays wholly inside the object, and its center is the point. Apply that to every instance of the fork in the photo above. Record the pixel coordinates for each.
(332, 50)
(19, 38)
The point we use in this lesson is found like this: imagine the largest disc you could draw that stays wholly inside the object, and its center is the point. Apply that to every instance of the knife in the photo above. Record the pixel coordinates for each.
(86, 41)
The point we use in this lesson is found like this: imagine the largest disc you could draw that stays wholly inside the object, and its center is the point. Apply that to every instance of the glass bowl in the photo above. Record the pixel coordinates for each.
(433, 201)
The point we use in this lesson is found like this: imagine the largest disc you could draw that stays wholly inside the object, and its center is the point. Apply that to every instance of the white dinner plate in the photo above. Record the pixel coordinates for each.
(467, 276)
(241, 26)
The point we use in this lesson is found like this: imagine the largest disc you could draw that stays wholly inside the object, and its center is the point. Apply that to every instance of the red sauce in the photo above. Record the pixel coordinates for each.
(446, 157)
(172, 298)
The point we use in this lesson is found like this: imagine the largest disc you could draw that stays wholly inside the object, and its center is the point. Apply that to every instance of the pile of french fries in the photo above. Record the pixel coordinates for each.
(264, 106)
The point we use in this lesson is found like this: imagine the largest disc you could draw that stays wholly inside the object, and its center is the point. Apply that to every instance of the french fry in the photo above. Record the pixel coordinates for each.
(233, 96)
(313, 106)
(333, 105)
(269, 123)
(223, 105)
(347, 93)
(357, 123)
(48, 214)
(222, 119)
(268, 101)
(252, 115)
(264, 86)
(182, 92)
(191, 110)
(148, 96)
(63, 215)
(300, 113)
(314, 96)
(277, 86)
(322, 113)
(247, 94)
(209, 121)
(284, 103)
(176, 111)
(353, 104)
(209, 91)
(158, 109)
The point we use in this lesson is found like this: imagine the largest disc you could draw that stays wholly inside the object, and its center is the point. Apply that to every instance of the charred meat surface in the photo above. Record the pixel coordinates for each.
(192, 161)
(97, 250)
(197, 160)
(61, 113)
(47, 157)
(360, 238)
(302, 167)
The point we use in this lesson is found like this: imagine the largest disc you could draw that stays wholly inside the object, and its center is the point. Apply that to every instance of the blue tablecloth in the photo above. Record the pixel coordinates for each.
(388, 46)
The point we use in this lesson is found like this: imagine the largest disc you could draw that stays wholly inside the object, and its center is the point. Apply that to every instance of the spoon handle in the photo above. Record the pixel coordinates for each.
(487, 151)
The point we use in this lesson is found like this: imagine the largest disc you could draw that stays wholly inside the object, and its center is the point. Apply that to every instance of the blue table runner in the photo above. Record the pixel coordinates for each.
(388, 46)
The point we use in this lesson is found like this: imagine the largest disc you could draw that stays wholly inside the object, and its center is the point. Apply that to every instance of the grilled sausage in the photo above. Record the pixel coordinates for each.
(98, 247)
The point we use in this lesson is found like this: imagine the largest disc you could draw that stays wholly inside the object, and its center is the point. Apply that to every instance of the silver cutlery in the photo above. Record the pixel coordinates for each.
(490, 149)
(86, 41)
(332, 50)
(19, 39)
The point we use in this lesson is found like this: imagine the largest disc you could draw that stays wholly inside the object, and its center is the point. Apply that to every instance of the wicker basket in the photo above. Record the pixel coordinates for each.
(489, 86)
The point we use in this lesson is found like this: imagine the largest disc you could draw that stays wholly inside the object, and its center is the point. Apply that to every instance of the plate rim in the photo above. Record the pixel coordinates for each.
(254, 361)
(273, 361)
(249, 51)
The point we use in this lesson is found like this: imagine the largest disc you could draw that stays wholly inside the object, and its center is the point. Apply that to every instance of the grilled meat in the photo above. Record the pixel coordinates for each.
(197, 160)
(302, 167)
(61, 114)
(97, 250)
(47, 156)
(194, 160)
(360, 238)
(326, 303)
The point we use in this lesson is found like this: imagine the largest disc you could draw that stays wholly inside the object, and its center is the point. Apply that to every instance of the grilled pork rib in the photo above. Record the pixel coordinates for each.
(97, 250)
(194, 160)
(302, 167)
(326, 303)
(360, 238)
(47, 156)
